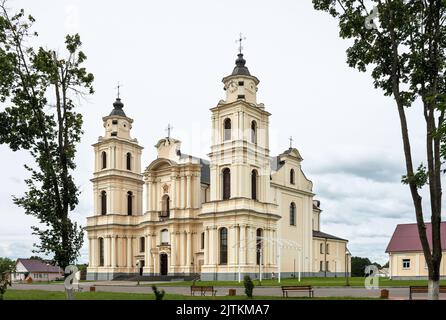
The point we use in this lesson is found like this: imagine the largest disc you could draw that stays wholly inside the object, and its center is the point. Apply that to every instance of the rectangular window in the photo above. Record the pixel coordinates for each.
(321, 248)
(327, 265)
(241, 96)
(202, 240)
(321, 266)
(326, 249)
(241, 83)
(114, 134)
(406, 263)
(114, 121)
(141, 244)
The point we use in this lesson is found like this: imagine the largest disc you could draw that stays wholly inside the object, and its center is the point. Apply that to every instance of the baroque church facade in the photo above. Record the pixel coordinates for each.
(241, 212)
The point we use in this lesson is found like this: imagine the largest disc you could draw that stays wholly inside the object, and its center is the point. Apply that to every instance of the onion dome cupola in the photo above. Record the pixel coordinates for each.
(240, 84)
(117, 124)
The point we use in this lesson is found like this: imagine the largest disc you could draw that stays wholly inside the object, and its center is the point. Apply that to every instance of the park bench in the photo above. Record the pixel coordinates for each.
(422, 289)
(202, 290)
(309, 289)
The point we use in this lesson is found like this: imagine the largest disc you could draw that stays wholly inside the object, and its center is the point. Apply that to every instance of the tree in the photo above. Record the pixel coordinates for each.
(249, 286)
(406, 54)
(39, 89)
(6, 267)
(358, 266)
(159, 295)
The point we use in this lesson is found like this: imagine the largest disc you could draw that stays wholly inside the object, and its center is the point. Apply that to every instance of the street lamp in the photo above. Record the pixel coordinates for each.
(347, 253)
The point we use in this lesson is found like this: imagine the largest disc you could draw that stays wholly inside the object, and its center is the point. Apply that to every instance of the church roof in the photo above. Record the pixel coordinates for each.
(117, 108)
(240, 68)
(205, 174)
(275, 163)
(320, 234)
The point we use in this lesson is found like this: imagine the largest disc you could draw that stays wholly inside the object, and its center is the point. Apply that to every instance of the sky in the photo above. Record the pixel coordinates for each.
(170, 57)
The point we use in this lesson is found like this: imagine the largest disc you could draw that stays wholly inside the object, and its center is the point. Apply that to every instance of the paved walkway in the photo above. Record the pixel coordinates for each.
(131, 287)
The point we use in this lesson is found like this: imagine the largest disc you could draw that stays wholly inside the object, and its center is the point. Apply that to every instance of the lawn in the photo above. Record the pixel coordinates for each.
(58, 295)
(315, 282)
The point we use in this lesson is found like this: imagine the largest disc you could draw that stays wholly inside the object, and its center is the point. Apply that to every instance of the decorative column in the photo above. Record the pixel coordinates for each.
(188, 249)
(90, 251)
(182, 192)
(107, 252)
(113, 251)
(149, 194)
(215, 245)
(242, 248)
(189, 191)
(174, 191)
(129, 252)
(147, 253)
(206, 246)
(173, 250)
(183, 240)
(232, 245)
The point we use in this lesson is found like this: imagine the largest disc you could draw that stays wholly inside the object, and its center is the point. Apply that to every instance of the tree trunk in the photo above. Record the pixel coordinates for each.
(434, 289)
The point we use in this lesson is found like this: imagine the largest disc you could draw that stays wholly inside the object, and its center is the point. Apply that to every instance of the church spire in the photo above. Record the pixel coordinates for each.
(240, 68)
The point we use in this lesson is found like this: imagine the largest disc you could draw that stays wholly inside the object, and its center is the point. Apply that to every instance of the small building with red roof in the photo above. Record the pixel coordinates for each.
(35, 270)
(406, 257)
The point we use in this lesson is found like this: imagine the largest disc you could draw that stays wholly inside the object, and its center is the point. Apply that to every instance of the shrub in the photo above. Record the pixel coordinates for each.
(159, 295)
(249, 286)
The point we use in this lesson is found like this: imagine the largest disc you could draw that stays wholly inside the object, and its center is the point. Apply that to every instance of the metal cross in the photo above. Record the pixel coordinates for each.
(239, 40)
(118, 87)
(169, 129)
(291, 142)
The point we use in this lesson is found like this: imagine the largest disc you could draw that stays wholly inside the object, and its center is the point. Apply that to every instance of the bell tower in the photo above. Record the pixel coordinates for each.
(117, 179)
(240, 140)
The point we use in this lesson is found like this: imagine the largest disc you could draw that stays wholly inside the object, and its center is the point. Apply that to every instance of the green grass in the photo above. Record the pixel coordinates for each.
(315, 282)
(58, 295)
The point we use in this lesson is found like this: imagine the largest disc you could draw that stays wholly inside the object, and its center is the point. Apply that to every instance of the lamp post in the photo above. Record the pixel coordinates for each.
(347, 253)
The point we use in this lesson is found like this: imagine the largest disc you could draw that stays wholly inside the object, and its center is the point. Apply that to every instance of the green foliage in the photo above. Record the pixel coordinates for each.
(159, 295)
(359, 264)
(419, 179)
(249, 286)
(39, 90)
(6, 267)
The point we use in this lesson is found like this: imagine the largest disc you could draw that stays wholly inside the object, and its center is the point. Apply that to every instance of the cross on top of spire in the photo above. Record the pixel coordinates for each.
(118, 87)
(291, 142)
(239, 40)
(169, 129)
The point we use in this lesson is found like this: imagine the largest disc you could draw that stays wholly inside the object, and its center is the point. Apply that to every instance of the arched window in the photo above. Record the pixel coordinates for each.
(165, 206)
(129, 203)
(142, 244)
(202, 240)
(129, 161)
(104, 159)
(227, 129)
(292, 214)
(292, 176)
(103, 203)
(101, 252)
(254, 132)
(254, 184)
(223, 246)
(226, 184)
(259, 246)
(164, 236)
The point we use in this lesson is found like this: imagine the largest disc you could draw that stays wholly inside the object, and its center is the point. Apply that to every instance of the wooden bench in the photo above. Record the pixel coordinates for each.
(309, 289)
(422, 289)
(202, 290)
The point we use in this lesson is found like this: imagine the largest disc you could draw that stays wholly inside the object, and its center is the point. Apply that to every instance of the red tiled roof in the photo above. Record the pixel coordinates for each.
(406, 237)
(38, 266)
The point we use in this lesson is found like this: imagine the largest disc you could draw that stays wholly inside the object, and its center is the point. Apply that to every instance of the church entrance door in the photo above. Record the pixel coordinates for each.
(163, 264)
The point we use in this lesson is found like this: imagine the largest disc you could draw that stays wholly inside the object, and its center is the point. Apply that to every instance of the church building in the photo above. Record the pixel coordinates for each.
(240, 212)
